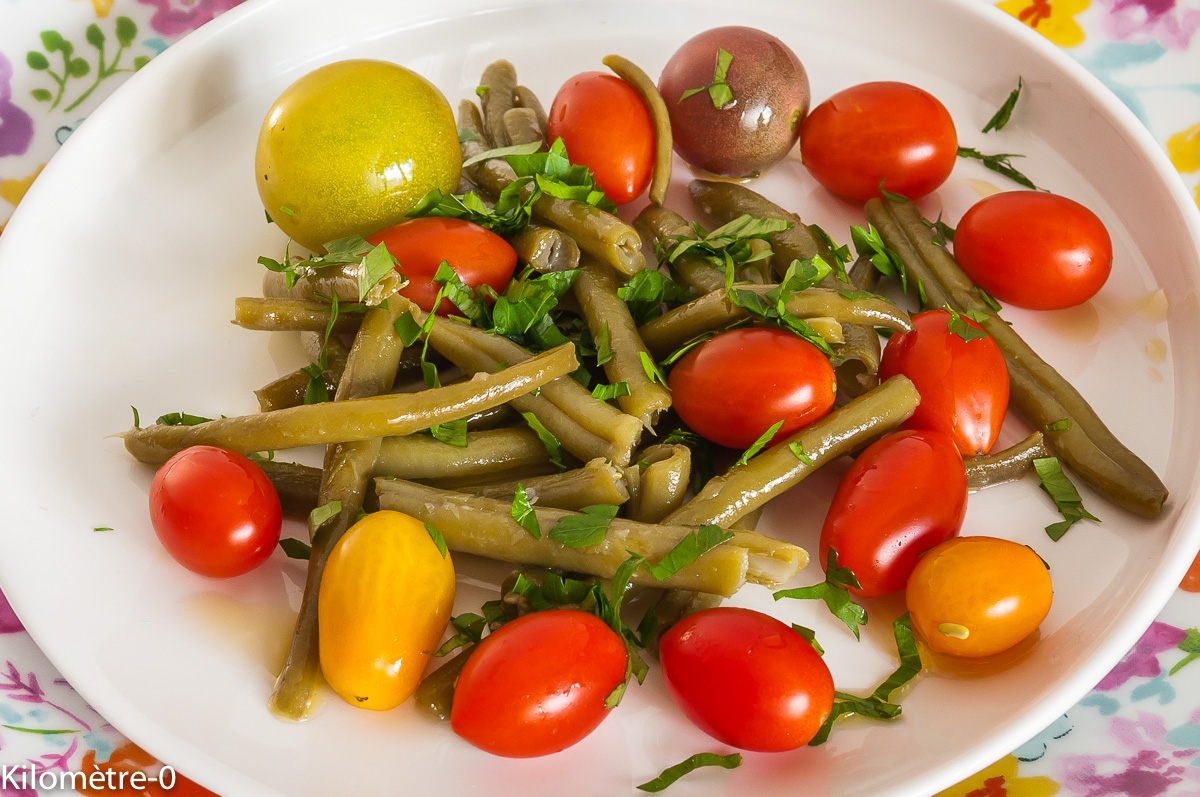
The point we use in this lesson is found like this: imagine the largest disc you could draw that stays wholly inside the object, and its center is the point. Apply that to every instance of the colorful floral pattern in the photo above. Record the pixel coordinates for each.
(1137, 733)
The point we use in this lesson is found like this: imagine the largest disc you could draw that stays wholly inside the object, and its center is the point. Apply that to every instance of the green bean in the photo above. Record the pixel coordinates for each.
(1039, 393)
(862, 274)
(860, 353)
(632, 74)
(715, 311)
(1003, 466)
(324, 283)
(290, 390)
(497, 85)
(295, 314)
(435, 694)
(421, 457)
(661, 475)
(491, 175)
(596, 290)
(597, 482)
(521, 125)
(728, 497)
(297, 485)
(546, 249)
(485, 527)
(524, 97)
(355, 419)
(660, 228)
(586, 427)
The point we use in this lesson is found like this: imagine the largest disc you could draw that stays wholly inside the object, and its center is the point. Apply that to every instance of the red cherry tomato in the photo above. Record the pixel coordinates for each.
(538, 684)
(606, 127)
(887, 131)
(746, 679)
(215, 511)
(1034, 249)
(903, 495)
(963, 383)
(733, 388)
(477, 255)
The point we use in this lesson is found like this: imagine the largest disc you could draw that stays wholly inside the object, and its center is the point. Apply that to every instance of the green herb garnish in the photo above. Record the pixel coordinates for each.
(672, 774)
(522, 512)
(718, 91)
(1002, 115)
(958, 326)
(999, 163)
(759, 444)
(1066, 498)
(584, 529)
(295, 549)
(834, 593)
(437, 538)
(688, 550)
(553, 447)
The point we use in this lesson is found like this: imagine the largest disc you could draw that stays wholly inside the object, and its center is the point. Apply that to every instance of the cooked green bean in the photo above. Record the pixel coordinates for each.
(356, 419)
(660, 228)
(597, 482)
(661, 475)
(491, 175)
(297, 485)
(1004, 466)
(632, 74)
(436, 691)
(484, 526)
(521, 125)
(860, 353)
(1039, 393)
(715, 311)
(420, 456)
(586, 427)
(340, 281)
(862, 274)
(496, 87)
(293, 314)
(524, 97)
(596, 290)
(546, 249)
(370, 370)
(289, 390)
(728, 497)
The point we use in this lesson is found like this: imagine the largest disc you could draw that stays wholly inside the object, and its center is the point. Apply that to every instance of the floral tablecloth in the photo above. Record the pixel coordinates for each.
(1137, 733)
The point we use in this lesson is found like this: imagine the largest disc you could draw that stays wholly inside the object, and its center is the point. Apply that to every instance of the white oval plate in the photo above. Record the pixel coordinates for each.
(123, 261)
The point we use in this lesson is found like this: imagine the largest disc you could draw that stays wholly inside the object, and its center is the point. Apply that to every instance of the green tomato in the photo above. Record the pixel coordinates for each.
(351, 147)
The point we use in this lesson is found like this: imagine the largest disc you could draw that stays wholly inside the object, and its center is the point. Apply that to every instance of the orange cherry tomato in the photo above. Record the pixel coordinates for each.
(887, 131)
(1034, 249)
(963, 383)
(606, 127)
(476, 254)
(1191, 579)
(977, 596)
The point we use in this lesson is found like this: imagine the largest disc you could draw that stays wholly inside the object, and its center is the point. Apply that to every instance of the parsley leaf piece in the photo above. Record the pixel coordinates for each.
(688, 550)
(672, 774)
(378, 263)
(137, 421)
(1004, 113)
(180, 419)
(469, 627)
(759, 444)
(810, 636)
(1066, 498)
(102, 528)
(407, 329)
(287, 211)
(437, 538)
(988, 299)
(585, 529)
(671, 358)
(901, 198)
(999, 163)
(553, 447)
(1191, 646)
(322, 515)
(702, 457)
(554, 174)
(1059, 426)
(509, 216)
(958, 326)
(834, 593)
(867, 242)
(452, 433)
(295, 549)
(501, 152)
(606, 392)
(910, 659)
(845, 704)
(943, 233)
(462, 296)
(522, 512)
(647, 290)
(797, 448)
(651, 369)
(604, 351)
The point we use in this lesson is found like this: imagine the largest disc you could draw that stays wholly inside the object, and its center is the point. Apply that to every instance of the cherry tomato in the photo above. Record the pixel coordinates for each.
(887, 131)
(1191, 579)
(385, 599)
(477, 255)
(976, 596)
(733, 388)
(963, 383)
(215, 511)
(538, 684)
(606, 127)
(746, 679)
(904, 494)
(1034, 249)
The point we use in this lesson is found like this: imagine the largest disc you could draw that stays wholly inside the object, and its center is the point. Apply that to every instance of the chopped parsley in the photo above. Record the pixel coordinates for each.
(1066, 498)
(674, 773)
(1000, 163)
(834, 593)
(1004, 113)
(718, 91)
(585, 529)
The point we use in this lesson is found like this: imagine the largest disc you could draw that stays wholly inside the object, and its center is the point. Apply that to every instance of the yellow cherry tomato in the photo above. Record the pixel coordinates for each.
(351, 147)
(977, 596)
(385, 599)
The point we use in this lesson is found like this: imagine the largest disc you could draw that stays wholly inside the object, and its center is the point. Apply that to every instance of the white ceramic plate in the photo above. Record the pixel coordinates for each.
(123, 261)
